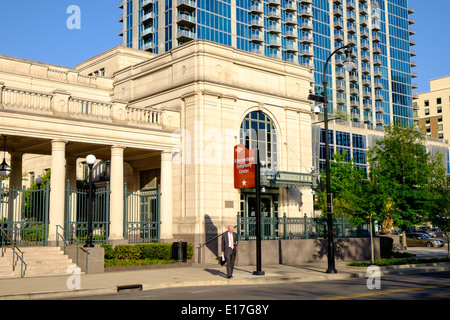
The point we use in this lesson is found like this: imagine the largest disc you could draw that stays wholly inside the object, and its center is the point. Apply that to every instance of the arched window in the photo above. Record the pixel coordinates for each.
(258, 130)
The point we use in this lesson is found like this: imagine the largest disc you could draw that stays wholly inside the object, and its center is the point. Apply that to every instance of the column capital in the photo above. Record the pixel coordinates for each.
(59, 145)
(117, 150)
(59, 141)
(166, 156)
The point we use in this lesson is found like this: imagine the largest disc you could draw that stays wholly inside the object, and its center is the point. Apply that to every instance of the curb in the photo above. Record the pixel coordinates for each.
(388, 270)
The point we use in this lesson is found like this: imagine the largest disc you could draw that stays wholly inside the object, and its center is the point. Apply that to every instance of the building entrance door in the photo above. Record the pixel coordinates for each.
(269, 214)
(266, 206)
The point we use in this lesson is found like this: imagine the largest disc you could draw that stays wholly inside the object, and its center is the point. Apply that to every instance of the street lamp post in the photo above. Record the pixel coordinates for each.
(258, 271)
(90, 160)
(349, 66)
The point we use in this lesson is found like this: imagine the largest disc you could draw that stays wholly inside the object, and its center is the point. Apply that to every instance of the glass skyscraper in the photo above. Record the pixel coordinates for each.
(377, 93)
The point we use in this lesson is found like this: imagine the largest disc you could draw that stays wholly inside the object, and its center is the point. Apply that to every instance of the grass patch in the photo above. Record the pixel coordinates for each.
(110, 263)
(398, 261)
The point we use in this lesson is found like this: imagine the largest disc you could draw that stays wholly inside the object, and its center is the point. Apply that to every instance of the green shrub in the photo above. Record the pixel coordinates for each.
(161, 251)
(34, 232)
(150, 251)
(109, 251)
(126, 252)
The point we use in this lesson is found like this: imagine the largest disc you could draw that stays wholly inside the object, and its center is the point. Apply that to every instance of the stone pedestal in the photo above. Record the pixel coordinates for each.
(93, 262)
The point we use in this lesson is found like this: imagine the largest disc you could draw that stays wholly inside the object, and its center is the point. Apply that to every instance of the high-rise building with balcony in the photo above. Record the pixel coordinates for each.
(377, 93)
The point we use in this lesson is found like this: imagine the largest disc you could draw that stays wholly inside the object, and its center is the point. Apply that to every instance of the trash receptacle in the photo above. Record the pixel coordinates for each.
(179, 251)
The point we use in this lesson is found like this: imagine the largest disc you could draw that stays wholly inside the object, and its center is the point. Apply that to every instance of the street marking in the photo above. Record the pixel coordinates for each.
(359, 295)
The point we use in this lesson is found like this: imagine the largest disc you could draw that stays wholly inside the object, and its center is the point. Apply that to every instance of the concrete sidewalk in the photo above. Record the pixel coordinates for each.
(186, 275)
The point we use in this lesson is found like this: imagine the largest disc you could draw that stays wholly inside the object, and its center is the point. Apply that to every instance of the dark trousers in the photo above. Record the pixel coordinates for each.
(230, 255)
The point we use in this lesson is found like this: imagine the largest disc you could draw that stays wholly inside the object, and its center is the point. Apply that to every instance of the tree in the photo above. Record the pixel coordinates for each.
(348, 185)
(438, 205)
(399, 170)
(34, 200)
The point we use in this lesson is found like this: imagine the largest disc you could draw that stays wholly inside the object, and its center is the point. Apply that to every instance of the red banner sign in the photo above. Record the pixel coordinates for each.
(244, 167)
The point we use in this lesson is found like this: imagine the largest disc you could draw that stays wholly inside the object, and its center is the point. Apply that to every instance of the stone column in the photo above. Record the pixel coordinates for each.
(116, 198)
(58, 187)
(166, 197)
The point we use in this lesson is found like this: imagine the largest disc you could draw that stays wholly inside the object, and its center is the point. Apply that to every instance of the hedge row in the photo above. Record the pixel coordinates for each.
(151, 251)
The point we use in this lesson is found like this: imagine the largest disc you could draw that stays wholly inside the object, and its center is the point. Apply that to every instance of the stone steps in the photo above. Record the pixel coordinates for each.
(40, 261)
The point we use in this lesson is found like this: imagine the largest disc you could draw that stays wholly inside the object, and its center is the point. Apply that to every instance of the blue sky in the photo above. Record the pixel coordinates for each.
(433, 40)
(37, 30)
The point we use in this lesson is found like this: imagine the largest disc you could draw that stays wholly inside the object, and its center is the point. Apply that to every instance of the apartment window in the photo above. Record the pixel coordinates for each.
(427, 112)
(441, 136)
(439, 101)
(427, 103)
(428, 129)
(439, 109)
(440, 127)
(343, 139)
(439, 118)
(427, 120)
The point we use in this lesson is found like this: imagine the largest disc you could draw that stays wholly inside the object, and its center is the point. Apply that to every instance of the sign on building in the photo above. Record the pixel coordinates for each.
(244, 167)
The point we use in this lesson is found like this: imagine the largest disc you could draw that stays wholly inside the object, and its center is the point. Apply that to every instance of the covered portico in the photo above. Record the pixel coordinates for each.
(77, 119)
(64, 155)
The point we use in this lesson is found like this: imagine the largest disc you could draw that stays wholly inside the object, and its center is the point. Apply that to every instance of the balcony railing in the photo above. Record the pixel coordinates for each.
(185, 34)
(79, 108)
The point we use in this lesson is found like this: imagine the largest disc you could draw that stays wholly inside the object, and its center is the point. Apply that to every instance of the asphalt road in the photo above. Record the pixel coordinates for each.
(426, 286)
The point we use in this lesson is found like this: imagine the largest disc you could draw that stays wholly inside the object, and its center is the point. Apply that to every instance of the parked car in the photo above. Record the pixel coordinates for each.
(435, 232)
(422, 240)
(422, 229)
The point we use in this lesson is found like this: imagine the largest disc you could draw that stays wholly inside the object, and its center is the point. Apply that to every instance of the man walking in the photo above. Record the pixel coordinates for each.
(229, 243)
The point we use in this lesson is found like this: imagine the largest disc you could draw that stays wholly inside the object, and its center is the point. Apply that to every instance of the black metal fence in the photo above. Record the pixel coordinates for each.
(286, 228)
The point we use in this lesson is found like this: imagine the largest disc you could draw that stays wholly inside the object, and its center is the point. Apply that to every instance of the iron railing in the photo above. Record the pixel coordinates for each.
(77, 204)
(142, 219)
(287, 228)
(24, 214)
(5, 240)
(69, 240)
